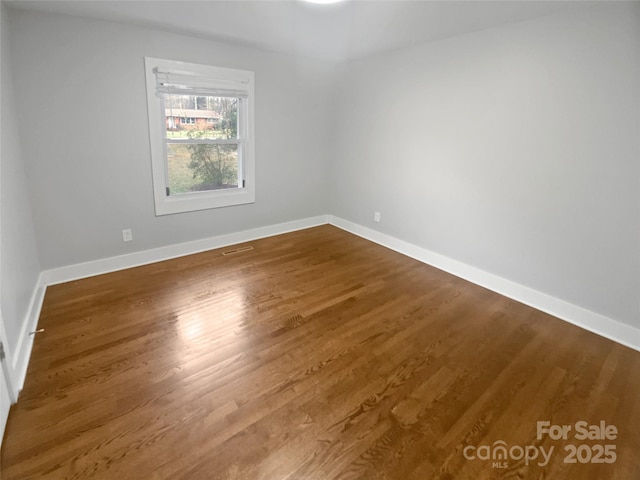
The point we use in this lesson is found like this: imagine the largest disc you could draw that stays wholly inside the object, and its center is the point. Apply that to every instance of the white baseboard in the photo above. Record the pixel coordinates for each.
(136, 259)
(20, 358)
(581, 317)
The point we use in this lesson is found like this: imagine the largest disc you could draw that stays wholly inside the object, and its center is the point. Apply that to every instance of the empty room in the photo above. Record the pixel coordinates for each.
(304, 240)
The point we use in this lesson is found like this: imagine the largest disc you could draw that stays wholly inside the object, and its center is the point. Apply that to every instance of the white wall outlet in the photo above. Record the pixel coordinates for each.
(376, 216)
(127, 235)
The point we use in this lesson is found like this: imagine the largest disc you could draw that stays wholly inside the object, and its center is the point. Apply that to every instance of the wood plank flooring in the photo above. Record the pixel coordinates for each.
(315, 355)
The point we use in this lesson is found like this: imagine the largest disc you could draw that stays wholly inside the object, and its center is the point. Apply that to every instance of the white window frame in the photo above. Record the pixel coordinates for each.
(188, 202)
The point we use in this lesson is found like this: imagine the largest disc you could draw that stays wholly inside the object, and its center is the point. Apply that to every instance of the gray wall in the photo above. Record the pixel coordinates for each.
(19, 263)
(515, 150)
(81, 88)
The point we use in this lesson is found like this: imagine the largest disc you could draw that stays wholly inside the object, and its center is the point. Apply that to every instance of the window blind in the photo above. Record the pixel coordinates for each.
(176, 83)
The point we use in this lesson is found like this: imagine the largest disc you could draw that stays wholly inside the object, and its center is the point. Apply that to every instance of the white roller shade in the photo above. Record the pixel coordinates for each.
(178, 83)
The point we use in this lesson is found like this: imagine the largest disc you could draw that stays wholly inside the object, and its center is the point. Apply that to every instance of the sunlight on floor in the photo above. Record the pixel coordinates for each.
(213, 316)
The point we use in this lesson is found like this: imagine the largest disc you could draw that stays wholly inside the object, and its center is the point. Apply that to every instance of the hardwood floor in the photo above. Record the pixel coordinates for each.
(314, 355)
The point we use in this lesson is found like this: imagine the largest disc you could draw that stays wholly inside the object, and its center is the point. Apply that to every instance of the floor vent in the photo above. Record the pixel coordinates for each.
(238, 250)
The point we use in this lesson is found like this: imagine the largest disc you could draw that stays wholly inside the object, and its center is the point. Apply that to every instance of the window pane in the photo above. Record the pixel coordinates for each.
(201, 167)
(188, 116)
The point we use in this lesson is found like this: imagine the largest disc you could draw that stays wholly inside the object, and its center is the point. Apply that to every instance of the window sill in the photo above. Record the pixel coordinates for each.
(190, 202)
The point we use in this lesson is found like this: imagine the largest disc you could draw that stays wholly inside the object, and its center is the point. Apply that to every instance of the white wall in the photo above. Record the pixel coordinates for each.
(81, 89)
(515, 150)
(19, 261)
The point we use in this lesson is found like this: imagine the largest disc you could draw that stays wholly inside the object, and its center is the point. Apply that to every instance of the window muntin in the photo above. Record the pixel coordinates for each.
(201, 132)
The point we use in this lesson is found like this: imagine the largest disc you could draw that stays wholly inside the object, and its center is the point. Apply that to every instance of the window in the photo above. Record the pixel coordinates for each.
(201, 133)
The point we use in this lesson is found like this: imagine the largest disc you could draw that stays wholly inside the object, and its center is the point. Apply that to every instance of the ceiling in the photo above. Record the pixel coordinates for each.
(337, 32)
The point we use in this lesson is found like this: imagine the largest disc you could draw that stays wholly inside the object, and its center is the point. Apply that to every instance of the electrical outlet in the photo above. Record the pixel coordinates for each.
(376, 216)
(127, 235)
